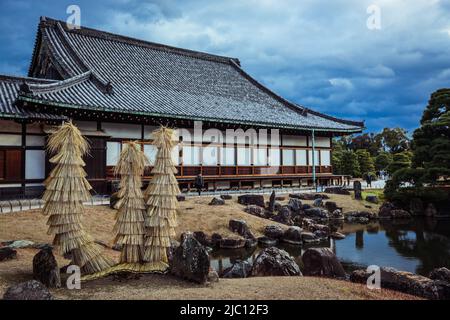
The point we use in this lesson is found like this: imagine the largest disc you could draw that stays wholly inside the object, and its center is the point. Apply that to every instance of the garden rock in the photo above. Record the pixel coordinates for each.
(226, 197)
(255, 210)
(317, 213)
(293, 235)
(252, 199)
(217, 202)
(331, 206)
(372, 199)
(232, 243)
(21, 244)
(191, 260)
(295, 205)
(274, 262)
(45, 268)
(241, 228)
(442, 274)
(240, 269)
(30, 290)
(400, 214)
(322, 262)
(407, 282)
(7, 253)
(266, 241)
(273, 232)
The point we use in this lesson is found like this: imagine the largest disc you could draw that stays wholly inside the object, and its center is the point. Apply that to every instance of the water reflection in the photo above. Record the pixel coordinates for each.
(417, 246)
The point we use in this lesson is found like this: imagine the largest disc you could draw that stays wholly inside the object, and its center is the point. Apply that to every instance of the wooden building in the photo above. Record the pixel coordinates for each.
(117, 89)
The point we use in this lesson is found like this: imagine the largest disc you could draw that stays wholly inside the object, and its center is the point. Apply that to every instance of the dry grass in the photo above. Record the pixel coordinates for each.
(156, 287)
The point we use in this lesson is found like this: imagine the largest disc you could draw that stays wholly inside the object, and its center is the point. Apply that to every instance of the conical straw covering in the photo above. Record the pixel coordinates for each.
(161, 194)
(66, 190)
(130, 227)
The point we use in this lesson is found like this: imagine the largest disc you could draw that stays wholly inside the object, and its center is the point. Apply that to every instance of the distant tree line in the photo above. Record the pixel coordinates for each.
(418, 168)
(369, 154)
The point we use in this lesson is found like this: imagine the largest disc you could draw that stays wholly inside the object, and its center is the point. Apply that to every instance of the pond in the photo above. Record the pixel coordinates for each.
(417, 246)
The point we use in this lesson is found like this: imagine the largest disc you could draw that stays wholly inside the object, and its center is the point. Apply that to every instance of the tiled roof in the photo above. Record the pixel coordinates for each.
(108, 72)
(9, 90)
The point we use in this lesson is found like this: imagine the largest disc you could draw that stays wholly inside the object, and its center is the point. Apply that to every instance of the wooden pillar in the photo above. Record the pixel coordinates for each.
(24, 153)
(313, 140)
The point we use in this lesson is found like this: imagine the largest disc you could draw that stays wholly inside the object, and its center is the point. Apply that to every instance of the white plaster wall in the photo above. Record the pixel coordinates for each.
(122, 130)
(296, 141)
(323, 142)
(12, 140)
(35, 141)
(35, 164)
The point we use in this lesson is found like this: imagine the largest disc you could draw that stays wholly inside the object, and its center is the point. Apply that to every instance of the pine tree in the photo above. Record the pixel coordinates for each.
(66, 190)
(129, 227)
(400, 160)
(350, 164)
(365, 161)
(162, 192)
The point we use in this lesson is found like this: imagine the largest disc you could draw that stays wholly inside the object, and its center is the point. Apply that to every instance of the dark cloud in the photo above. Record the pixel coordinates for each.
(316, 53)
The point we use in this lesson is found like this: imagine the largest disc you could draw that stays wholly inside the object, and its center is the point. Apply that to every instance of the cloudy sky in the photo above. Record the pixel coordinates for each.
(320, 54)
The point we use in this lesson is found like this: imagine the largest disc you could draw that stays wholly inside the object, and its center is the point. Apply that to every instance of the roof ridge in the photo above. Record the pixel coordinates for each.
(98, 80)
(91, 32)
(15, 78)
(326, 116)
(59, 85)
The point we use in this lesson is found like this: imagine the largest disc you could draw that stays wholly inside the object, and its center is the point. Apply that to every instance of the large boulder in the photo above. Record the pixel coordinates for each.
(255, 211)
(385, 210)
(322, 262)
(407, 282)
(274, 262)
(267, 242)
(240, 269)
(372, 199)
(337, 215)
(45, 268)
(284, 216)
(217, 202)
(7, 253)
(362, 217)
(254, 199)
(232, 243)
(337, 190)
(318, 203)
(293, 235)
(30, 290)
(191, 260)
(295, 205)
(331, 206)
(241, 228)
(317, 213)
(273, 232)
(400, 214)
(442, 274)
(201, 237)
(226, 197)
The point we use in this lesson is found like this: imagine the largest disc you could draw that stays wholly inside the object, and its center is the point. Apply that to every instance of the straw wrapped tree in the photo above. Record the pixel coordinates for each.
(66, 190)
(161, 218)
(129, 227)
